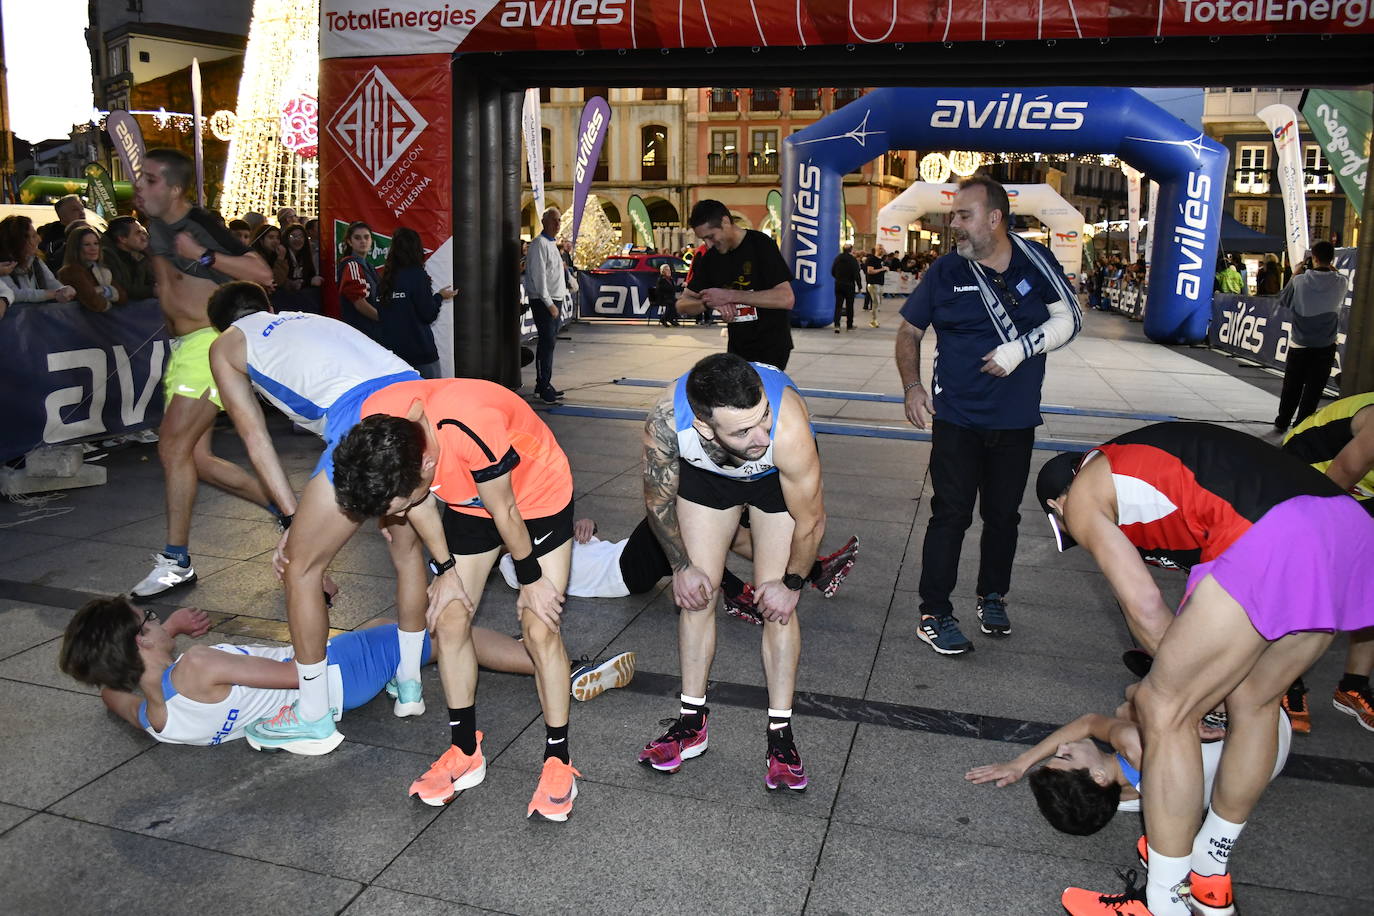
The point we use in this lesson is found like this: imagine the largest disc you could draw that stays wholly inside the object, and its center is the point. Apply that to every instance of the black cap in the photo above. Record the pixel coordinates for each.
(1053, 480)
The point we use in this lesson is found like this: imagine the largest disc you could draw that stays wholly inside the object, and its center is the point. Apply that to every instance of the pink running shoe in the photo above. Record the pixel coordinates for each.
(785, 769)
(836, 567)
(680, 742)
(742, 608)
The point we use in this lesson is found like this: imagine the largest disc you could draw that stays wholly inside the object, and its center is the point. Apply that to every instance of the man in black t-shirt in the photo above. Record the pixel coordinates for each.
(741, 275)
(875, 272)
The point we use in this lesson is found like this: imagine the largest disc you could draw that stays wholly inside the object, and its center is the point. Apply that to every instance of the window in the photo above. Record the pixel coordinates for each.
(653, 145)
(1319, 220)
(895, 165)
(764, 100)
(654, 95)
(724, 100)
(763, 152)
(591, 92)
(1252, 214)
(144, 57)
(119, 59)
(1252, 172)
(806, 100)
(1316, 173)
(723, 158)
(844, 96)
(546, 146)
(545, 94)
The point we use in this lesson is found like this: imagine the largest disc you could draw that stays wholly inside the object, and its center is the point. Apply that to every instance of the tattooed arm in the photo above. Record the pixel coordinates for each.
(691, 587)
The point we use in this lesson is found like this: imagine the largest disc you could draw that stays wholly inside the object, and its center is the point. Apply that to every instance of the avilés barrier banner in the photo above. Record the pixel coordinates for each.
(1255, 328)
(69, 374)
(623, 294)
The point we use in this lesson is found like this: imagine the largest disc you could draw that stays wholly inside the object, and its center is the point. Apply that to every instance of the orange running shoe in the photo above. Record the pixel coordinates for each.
(1357, 703)
(553, 797)
(1142, 850)
(1210, 895)
(451, 774)
(1294, 702)
(1078, 901)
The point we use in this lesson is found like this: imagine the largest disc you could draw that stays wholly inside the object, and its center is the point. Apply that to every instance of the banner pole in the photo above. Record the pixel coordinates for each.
(1357, 363)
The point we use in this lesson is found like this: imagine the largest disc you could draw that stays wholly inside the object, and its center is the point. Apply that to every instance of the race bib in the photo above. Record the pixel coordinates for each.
(745, 313)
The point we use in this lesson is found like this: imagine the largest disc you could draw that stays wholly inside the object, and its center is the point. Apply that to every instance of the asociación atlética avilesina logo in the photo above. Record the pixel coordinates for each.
(376, 124)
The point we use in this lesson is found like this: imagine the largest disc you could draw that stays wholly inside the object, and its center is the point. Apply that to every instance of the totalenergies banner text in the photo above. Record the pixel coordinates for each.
(351, 28)
(386, 148)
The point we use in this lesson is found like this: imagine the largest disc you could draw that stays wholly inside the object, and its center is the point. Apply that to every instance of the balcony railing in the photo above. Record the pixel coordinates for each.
(806, 100)
(763, 163)
(764, 100)
(722, 164)
(844, 96)
(724, 100)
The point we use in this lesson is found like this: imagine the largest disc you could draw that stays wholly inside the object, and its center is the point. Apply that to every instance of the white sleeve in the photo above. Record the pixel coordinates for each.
(537, 271)
(1063, 325)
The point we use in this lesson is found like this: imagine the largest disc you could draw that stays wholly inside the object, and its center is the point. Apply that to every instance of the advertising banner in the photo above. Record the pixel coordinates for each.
(128, 142)
(591, 134)
(196, 122)
(1133, 177)
(774, 204)
(100, 189)
(531, 127)
(1255, 328)
(639, 218)
(386, 158)
(1341, 122)
(1150, 227)
(70, 374)
(622, 294)
(528, 331)
(351, 28)
(1282, 122)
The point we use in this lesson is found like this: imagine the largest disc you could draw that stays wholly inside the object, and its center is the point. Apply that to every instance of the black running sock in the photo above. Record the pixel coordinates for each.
(692, 714)
(1298, 686)
(1353, 682)
(732, 585)
(780, 738)
(463, 726)
(815, 572)
(556, 743)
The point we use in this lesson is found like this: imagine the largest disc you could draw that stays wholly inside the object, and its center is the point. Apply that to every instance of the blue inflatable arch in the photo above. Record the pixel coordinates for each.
(1189, 167)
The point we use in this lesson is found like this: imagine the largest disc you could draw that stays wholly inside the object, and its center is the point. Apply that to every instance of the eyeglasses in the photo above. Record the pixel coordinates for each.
(1001, 284)
(149, 616)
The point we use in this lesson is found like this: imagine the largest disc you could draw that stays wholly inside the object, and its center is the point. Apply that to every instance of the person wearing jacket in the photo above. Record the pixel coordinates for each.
(126, 245)
(848, 278)
(1314, 297)
(358, 282)
(30, 279)
(408, 304)
(84, 270)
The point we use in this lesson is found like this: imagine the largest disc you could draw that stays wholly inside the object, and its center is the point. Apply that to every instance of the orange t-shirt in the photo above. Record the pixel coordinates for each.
(484, 431)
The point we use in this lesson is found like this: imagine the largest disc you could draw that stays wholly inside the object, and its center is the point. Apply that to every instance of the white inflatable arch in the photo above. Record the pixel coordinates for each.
(1062, 222)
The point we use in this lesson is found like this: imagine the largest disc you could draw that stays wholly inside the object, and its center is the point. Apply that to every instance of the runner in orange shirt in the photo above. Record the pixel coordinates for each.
(471, 468)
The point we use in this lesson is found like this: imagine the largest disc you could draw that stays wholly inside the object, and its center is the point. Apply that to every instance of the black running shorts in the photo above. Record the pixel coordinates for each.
(716, 491)
(468, 535)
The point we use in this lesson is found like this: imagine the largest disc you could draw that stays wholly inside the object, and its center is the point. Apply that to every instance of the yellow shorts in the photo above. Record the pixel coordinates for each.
(188, 368)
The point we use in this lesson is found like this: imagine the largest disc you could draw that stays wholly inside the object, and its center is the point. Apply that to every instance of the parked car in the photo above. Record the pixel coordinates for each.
(640, 261)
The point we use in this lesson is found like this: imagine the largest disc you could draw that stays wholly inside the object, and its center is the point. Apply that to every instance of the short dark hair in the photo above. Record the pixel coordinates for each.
(375, 463)
(1072, 801)
(722, 380)
(238, 225)
(57, 206)
(708, 213)
(99, 646)
(996, 194)
(233, 300)
(1324, 251)
(120, 227)
(177, 168)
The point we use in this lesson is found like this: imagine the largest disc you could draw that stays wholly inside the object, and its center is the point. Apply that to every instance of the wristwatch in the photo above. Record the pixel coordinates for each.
(207, 259)
(438, 569)
(794, 582)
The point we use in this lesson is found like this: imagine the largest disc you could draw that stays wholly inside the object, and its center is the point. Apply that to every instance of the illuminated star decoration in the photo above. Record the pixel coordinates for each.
(1195, 144)
(858, 134)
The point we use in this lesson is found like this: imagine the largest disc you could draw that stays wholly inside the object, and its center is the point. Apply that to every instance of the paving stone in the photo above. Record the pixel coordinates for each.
(376, 901)
(23, 626)
(11, 815)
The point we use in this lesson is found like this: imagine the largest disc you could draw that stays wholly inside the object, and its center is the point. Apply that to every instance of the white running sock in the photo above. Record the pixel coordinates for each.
(314, 681)
(412, 648)
(1166, 873)
(691, 706)
(1212, 845)
(779, 718)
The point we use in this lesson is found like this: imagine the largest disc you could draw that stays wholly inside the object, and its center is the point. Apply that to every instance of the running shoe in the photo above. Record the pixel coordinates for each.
(992, 615)
(592, 678)
(1137, 661)
(1357, 703)
(553, 797)
(451, 773)
(1078, 901)
(680, 742)
(742, 608)
(287, 731)
(1142, 850)
(943, 635)
(873, 323)
(409, 697)
(1210, 895)
(167, 574)
(785, 769)
(1294, 702)
(835, 568)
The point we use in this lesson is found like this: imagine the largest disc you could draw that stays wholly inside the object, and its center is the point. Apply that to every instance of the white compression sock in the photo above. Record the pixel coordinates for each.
(1212, 846)
(412, 648)
(774, 715)
(691, 706)
(1166, 873)
(314, 682)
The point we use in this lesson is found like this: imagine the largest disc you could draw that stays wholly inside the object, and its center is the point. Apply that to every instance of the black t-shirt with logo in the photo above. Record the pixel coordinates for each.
(756, 264)
(878, 270)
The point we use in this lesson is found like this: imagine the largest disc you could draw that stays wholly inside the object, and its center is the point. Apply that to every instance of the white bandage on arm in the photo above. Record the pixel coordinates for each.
(1063, 324)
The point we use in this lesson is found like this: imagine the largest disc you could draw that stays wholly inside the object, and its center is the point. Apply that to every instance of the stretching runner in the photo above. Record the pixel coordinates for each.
(637, 564)
(728, 435)
(1277, 558)
(1338, 440)
(192, 255)
(471, 468)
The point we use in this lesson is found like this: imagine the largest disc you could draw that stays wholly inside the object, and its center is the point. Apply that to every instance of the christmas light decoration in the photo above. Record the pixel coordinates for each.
(964, 163)
(274, 132)
(221, 124)
(934, 168)
(597, 239)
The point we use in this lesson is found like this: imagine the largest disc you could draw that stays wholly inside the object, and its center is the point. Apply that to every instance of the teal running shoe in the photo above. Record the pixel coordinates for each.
(409, 697)
(288, 732)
